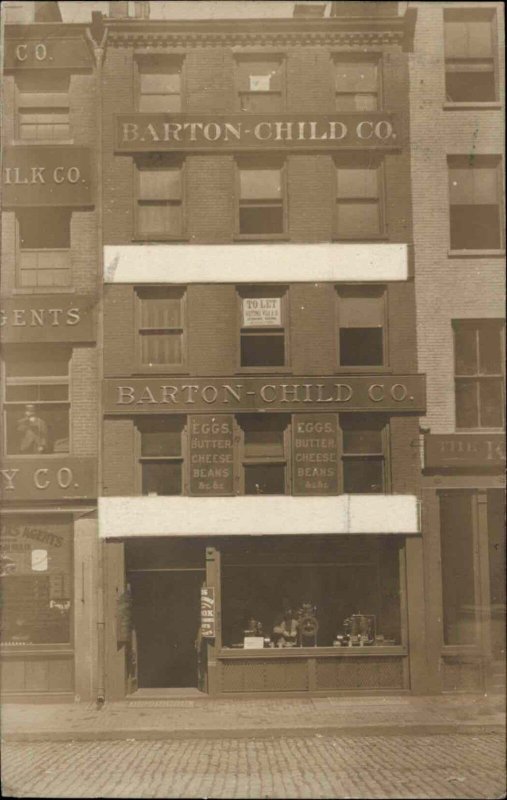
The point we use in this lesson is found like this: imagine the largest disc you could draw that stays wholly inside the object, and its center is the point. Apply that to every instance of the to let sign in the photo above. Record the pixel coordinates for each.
(385, 393)
(462, 450)
(208, 612)
(47, 318)
(156, 132)
(211, 455)
(47, 478)
(261, 312)
(47, 176)
(315, 469)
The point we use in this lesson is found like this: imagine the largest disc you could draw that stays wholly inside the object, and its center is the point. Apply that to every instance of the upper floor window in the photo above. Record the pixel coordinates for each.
(36, 400)
(363, 447)
(161, 455)
(356, 83)
(475, 202)
(470, 70)
(261, 200)
(263, 322)
(44, 256)
(265, 446)
(159, 199)
(42, 102)
(479, 373)
(260, 83)
(161, 340)
(359, 192)
(160, 83)
(361, 319)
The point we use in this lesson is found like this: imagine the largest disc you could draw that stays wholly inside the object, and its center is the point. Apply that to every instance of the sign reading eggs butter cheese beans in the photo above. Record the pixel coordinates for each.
(315, 469)
(211, 455)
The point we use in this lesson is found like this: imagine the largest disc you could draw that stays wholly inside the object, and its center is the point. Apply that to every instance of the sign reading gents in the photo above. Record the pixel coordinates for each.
(358, 393)
(141, 132)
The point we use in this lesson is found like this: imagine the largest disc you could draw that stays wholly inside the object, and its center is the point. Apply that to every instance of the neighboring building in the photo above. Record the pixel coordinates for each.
(261, 395)
(49, 360)
(457, 111)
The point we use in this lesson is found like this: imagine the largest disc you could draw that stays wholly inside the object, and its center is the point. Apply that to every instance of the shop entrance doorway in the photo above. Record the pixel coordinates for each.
(166, 617)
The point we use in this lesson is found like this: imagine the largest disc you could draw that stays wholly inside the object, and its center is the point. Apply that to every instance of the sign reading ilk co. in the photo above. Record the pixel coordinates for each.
(47, 176)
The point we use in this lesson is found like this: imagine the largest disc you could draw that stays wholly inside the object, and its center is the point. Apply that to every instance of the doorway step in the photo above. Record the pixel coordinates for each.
(169, 693)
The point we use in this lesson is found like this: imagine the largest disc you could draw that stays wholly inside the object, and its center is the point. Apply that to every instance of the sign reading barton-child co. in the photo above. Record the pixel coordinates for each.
(386, 393)
(176, 132)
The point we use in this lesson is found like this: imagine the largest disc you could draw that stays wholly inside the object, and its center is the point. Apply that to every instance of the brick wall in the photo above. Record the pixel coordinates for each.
(119, 463)
(446, 288)
(84, 401)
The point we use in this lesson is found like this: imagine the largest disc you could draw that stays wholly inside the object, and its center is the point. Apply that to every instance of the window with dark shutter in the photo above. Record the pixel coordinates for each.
(44, 254)
(261, 200)
(161, 456)
(264, 453)
(159, 199)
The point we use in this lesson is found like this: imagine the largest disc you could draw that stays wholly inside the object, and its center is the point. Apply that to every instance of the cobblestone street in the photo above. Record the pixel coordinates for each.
(456, 766)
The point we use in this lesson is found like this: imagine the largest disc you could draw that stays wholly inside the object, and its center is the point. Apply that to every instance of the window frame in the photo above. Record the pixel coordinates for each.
(139, 58)
(285, 459)
(20, 109)
(467, 15)
(245, 56)
(44, 287)
(478, 377)
(182, 459)
(382, 289)
(244, 291)
(248, 164)
(161, 368)
(454, 161)
(384, 457)
(48, 380)
(370, 56)
(144, 161)
(364, 162)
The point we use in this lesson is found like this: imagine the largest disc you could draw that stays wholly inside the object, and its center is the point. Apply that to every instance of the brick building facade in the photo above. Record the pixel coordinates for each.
(256, 241)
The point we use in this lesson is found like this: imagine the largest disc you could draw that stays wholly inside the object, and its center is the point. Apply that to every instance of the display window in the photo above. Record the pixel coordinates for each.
(36, 399)
(36, 582)
(320, 593)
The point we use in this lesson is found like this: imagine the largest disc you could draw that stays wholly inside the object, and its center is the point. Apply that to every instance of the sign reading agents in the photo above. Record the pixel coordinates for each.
(261, 312)
(47, 176)
(139, 132)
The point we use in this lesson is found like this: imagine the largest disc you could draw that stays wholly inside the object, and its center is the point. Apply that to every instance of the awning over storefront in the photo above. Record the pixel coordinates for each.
(247, 263)
(124, 517)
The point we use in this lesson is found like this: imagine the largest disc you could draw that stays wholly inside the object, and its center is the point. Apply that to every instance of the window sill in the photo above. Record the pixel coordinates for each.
(353, 239)
(163, 239)
(264, 371)
(36, 290)
(475, 105)
(144, 371)
(261, 237)
(37, 456)
(380, 370)
(36, 142)
(476, 253)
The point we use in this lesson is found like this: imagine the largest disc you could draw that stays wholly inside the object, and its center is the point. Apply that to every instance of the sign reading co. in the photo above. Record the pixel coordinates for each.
(47, 478)
(396, 394)
(47, 318)
(47, 53)
(47, 176)
(156, 132)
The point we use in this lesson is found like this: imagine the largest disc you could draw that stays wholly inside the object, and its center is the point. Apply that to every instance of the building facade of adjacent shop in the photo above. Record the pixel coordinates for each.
(49, 361)
(261, 392)
(457, 81)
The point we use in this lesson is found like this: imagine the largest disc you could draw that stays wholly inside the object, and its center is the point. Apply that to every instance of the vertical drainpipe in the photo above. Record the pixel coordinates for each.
(99, 52)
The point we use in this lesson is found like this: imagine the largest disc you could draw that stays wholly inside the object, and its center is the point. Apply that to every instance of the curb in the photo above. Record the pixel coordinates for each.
(150, 734)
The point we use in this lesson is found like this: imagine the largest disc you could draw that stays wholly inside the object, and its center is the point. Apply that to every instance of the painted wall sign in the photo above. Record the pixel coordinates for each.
(47, 53)
(262, 311)
(47, 175)
(47, 318)
(156, 132)
(314, 453)
(211, 454)
(208, 612)
(47, 478)
(458, 450)
(394, 393)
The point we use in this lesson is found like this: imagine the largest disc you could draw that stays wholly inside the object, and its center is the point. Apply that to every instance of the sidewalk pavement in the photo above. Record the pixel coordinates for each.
(245, 718)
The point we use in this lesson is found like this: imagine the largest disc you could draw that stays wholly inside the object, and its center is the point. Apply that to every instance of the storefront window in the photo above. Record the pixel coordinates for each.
(264, 453)
(342, 585)
(36, 582)
(36, 405)
(161, 455)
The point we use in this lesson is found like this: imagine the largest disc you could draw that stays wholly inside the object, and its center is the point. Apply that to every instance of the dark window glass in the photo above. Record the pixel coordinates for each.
(469, 62)
(161, 326)
(467, 412)
(259, 84)
(363, 476)
(264, 479)
(478, 356)
(161, 477)
(458, 595)
(491, 403)
(361, 347)
(265, 350)
(261, 219)
(264, 435)
(261, 200)
(475, 219)
(467, 86)
(361, 320)
(475, 228)
(44, 228)
(363, 457)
